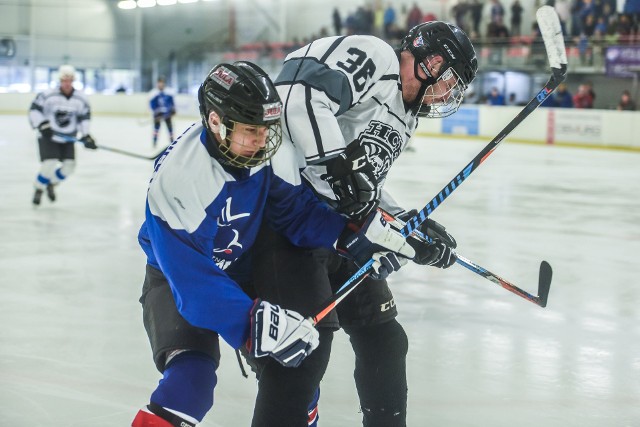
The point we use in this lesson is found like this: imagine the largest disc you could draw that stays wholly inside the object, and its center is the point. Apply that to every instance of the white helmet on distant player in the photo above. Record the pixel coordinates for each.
(66, 71)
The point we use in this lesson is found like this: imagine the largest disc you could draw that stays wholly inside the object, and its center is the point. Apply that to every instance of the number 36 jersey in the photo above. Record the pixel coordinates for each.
(339, 91)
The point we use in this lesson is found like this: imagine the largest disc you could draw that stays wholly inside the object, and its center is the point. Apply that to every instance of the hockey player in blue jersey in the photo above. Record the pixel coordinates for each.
(208, 195)
(65, 111)
(163, 109)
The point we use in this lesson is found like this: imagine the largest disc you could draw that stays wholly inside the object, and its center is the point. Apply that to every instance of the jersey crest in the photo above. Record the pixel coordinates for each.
(228, 238)
(383, 144)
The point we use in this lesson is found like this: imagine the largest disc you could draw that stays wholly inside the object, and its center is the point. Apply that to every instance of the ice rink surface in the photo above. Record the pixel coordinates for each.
(73, 351)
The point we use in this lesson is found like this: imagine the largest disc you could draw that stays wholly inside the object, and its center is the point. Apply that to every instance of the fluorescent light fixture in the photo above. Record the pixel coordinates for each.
(146, 3)
(127, 4)
(187, 1)
(166, 2)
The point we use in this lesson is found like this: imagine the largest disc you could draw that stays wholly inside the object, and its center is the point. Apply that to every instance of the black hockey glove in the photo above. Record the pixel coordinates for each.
(438, 253)
(88, 142)
(352, 179)
(46, 133)
(282, 334)
(375, 239)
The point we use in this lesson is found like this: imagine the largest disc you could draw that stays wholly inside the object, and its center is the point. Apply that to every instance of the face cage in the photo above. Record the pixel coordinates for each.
(444, 96)
(272, 143)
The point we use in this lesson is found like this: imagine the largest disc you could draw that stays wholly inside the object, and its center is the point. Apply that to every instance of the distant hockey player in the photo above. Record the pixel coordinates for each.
(65, 111)
(351, 105)
(208, 195)
(163, 108)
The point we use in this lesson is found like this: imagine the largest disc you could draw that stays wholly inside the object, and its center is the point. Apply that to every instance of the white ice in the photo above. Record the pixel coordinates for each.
(73, 351)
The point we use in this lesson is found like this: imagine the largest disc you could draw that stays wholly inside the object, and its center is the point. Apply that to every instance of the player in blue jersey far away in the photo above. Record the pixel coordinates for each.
(208, 195)
(64, 111)
(163, 108)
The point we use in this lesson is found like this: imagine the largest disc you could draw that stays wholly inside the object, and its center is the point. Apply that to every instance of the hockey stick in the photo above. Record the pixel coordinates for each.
(112, 149)
(549, 25)
(544, 276)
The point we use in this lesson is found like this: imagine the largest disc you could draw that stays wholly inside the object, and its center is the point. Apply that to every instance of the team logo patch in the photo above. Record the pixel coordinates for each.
(383, 144)
(224, 77)
(418, 41)
(272, 111)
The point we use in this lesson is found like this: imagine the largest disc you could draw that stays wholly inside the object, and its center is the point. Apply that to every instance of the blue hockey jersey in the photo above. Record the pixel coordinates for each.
(201, 217)
(161, 103)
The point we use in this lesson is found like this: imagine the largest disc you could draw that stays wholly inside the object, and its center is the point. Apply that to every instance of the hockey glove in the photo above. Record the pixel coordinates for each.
(46, 133)
(375, 239)
(353, 181)
(88, 142)
(439, 252)
(282, 334)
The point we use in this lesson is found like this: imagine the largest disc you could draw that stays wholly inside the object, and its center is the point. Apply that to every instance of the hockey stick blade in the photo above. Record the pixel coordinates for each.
(544, 283)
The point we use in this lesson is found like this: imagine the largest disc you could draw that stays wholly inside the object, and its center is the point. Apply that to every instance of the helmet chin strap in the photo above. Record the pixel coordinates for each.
(430, 80)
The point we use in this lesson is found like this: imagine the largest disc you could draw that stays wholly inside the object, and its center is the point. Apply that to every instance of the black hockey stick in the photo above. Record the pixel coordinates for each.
(549, 24)
(69, 138)
(544, 277)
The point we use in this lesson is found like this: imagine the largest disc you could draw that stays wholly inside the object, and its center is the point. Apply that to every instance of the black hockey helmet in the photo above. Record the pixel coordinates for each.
(450, 42)
(241, 93)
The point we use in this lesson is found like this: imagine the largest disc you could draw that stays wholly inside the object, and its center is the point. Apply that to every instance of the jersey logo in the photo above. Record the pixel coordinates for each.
(63, 118)
(227, 238)
(383, 144)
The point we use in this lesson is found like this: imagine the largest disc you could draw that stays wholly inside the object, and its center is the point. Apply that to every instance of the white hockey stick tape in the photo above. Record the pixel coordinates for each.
(549, 25)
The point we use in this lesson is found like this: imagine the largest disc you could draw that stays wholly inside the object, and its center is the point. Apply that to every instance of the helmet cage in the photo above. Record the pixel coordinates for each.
(228, 129)
(443, 97)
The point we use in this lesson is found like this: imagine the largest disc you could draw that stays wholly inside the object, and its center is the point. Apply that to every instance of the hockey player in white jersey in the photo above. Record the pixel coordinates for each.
(63, 110)
(350, 106)
(207, 197)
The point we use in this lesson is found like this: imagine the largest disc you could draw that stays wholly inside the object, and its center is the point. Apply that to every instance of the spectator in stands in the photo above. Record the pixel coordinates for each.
(476, 15)
(459, 12)
(337, 22)
(583, 99)
(389, 20)
(415, 16)
(562, 97)
(495, 97)
(632, 10)
(626, 103)
(497, 30)
(564, 13)
(497, 11)
(516, 18)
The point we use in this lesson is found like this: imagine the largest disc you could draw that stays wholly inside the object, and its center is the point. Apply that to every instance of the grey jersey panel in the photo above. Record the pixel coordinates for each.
(315, 119)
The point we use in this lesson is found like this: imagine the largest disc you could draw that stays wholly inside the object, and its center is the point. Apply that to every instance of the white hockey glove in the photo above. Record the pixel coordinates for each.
(438, 253)
(282, 334)
(353, 181)
(375, 239)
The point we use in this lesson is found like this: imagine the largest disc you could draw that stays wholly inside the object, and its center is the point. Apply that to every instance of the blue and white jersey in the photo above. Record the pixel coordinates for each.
(161, 103)
(67, 115)
(201, 217)
(344, 90)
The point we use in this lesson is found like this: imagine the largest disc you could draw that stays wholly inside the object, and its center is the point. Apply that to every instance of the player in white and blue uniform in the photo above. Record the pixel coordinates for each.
(351, 104)
(64, 111)
(208, 195)
(163, 109)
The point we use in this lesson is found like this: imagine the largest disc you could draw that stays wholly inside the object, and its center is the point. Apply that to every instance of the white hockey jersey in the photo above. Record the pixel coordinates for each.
(345, 90)
(67, 115)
